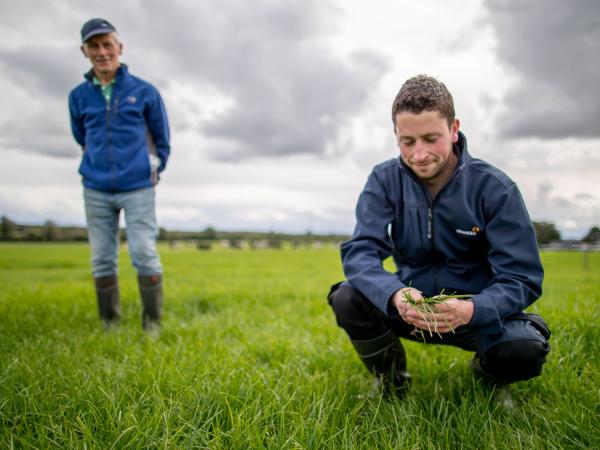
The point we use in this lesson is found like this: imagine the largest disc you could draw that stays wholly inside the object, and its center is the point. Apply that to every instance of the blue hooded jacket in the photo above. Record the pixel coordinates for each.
(475, 237)
(117, 137)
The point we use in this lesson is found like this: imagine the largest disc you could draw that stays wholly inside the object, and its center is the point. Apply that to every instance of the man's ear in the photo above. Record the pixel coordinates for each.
(454, 130)
(83, 51)
(120, 48)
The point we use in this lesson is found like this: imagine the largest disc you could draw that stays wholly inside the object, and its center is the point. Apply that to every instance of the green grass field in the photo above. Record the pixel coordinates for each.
(250, 357)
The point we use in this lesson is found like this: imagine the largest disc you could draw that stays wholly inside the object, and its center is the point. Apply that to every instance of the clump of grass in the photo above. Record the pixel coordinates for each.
(427, 305)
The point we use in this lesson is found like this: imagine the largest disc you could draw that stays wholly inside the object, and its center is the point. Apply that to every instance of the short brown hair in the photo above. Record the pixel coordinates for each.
(424, 93)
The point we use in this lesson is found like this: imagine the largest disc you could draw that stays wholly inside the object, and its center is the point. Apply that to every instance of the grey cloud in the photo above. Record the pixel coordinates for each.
(300, 110)
(553, 46)
(289, 93)
(544, 190)
(584, 197)
(43, 132)
(39, 124)
(45, 75)
(44, 71)
(564, 203)
(243, 218)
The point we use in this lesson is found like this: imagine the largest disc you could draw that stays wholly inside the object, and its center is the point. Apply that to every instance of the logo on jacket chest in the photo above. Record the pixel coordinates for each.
(472, 232)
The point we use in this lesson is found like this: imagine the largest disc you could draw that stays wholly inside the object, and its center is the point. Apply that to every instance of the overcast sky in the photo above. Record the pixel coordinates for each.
(279, 109)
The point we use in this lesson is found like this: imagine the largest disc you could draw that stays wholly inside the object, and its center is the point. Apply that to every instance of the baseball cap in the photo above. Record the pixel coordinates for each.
(95, 26)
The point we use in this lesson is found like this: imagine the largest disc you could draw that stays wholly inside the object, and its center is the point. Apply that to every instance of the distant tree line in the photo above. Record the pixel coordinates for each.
(51, 232)
(593, 235)
(546, 232)
(48, 231)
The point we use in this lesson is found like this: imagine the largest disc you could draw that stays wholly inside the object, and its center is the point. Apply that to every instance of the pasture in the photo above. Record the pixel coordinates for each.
(250, 357)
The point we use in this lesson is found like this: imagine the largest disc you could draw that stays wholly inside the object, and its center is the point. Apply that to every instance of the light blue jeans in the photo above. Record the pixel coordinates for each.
(102, 211)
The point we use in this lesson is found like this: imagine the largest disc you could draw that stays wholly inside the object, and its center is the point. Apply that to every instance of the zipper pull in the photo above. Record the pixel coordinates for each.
(429, 220)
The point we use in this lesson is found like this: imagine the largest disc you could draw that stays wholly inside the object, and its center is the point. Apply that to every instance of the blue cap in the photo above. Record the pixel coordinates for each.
(95, 26)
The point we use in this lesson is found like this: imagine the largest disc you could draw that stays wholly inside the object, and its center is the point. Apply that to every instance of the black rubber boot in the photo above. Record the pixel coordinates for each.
(384, 357)
(482, 374)
(107, 294)
(152, 297)
(502, 388)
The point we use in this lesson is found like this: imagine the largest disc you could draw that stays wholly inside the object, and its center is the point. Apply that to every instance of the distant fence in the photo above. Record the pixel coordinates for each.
(253, 244)
(576, 246)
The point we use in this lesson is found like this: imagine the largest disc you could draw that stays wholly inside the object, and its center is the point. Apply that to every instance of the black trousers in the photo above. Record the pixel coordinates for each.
(518, 353)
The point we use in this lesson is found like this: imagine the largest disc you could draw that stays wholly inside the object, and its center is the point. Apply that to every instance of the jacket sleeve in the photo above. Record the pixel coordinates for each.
(514, 259)
(77, 127)
(158, 126)
(370, 245)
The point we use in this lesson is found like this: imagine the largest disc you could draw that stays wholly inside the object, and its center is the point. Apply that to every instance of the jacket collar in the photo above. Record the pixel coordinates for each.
(460, 148)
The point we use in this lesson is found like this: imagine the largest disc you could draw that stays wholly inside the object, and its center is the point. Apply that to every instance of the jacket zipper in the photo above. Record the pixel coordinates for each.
(431, 202)
(429, 224)
(109, 139)
(430, 237)
(430, 227)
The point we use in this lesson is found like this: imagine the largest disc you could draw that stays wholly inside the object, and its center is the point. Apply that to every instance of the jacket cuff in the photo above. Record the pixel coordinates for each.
(386, 299)
(485, 315)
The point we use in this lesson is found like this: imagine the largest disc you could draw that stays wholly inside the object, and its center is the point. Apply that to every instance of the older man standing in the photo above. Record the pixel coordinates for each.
(121, 124)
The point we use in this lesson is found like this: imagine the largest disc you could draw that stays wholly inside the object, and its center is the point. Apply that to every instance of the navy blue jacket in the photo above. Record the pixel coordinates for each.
(475, 237)
(117, 138)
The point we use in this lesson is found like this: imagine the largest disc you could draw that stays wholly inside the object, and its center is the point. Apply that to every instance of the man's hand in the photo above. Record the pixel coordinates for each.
(399, 300)
(445, 318)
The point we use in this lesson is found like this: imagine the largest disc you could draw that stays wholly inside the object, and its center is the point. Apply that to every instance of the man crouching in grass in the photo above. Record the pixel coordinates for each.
(454, 225)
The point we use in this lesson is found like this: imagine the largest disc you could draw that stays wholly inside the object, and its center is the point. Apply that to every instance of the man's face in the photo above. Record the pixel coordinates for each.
(103, 51)
(425, 143)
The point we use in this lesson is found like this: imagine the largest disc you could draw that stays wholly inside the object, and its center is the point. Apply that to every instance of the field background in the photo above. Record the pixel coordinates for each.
(250, 357)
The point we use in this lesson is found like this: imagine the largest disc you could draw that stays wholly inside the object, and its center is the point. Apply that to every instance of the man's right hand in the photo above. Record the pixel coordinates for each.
(399, 301)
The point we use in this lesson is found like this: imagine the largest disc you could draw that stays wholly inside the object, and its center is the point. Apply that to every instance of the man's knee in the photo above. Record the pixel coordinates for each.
(516, 360)
(104, 263)
(143, 252)
(350, 307)
(355, 313)
(342, 304)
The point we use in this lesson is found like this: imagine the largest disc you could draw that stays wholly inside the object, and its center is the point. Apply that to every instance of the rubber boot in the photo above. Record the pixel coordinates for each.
(107, 294)
(502, 389)
(152, 297)
(384, 357)
(480, 373)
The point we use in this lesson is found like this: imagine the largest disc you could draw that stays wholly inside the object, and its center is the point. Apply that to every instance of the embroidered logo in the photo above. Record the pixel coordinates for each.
(131, 99)
(472, 232)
